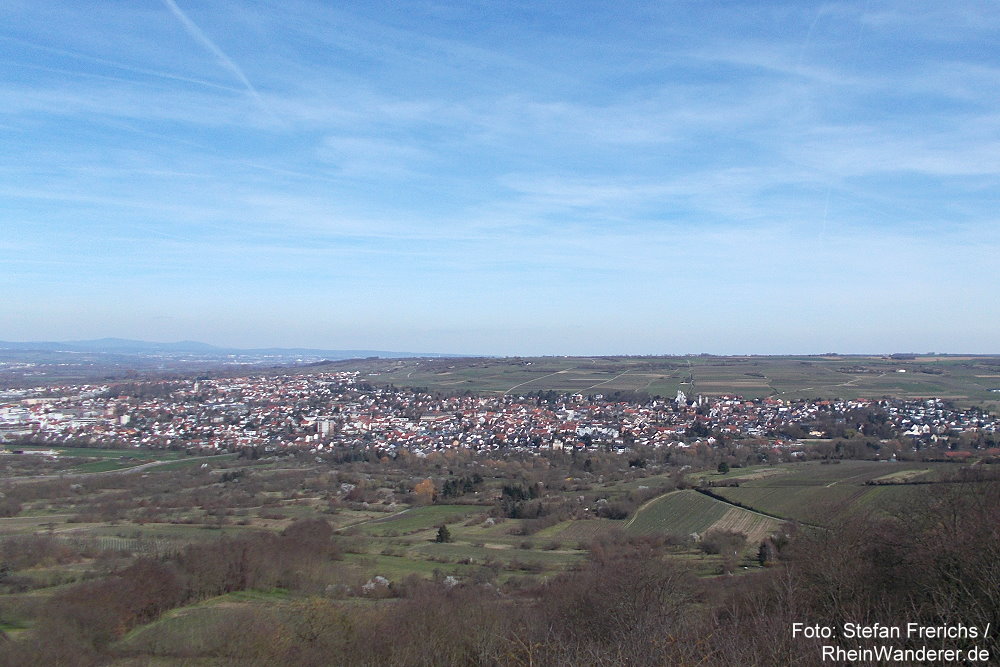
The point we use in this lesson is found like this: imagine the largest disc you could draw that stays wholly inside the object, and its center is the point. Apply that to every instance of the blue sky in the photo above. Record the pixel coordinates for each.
(503, 177)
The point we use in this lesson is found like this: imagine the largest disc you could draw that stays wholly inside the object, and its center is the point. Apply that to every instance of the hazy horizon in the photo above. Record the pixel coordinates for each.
(507, 178)
(225, 347)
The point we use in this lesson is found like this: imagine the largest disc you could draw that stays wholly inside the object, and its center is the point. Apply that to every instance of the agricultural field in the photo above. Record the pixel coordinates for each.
(689, 512)
(967, 380)
(419, 519)
(80, 460)
(577, 532)
(755, 526)
(814, 493)
(131, 453)
(680, 512)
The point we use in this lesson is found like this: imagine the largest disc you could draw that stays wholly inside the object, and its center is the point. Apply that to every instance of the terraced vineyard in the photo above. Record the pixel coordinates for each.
(755, 526)
(686, 512)
(817, 493)
(809, 504)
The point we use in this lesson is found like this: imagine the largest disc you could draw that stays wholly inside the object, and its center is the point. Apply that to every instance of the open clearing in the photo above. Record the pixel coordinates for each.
(420, 518)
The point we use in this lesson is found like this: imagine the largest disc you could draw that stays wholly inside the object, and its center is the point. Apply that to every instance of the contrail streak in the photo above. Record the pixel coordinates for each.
(809, 34)
(109, 63)
(196, 32)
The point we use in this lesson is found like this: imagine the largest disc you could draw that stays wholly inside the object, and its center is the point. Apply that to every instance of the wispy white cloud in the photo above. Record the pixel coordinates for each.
(431, 155)
(121, 67)
(371, 156)
(927, 19)
(967, 148)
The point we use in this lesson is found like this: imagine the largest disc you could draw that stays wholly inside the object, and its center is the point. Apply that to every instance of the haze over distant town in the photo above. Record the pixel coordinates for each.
(503, 178)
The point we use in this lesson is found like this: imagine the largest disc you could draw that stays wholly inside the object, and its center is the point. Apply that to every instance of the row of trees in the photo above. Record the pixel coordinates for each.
(79, 623)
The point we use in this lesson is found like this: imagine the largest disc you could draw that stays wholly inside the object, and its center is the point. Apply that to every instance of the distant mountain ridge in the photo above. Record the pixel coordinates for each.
(125, 346)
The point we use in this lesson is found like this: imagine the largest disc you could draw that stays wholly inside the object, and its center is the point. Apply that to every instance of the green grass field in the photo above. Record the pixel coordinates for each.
(106, 465)
(576, 532)
(200, 628)
(395, 568)
(111, 460)
(420, 519)
(194, 461)
(134, 453)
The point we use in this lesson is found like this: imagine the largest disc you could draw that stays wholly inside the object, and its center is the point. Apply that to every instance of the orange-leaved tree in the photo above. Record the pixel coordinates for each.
(425, 491)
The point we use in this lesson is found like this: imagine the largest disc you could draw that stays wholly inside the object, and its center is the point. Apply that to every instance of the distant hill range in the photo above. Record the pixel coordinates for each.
(122, 347)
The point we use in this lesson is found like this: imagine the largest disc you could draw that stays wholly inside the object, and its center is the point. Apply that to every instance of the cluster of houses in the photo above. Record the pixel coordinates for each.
(327, 410)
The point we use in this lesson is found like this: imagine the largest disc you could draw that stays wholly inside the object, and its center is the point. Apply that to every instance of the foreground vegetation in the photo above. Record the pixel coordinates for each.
(454, 559)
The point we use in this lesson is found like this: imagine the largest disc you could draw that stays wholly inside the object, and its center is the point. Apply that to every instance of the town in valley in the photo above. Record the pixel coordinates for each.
(326, 411)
